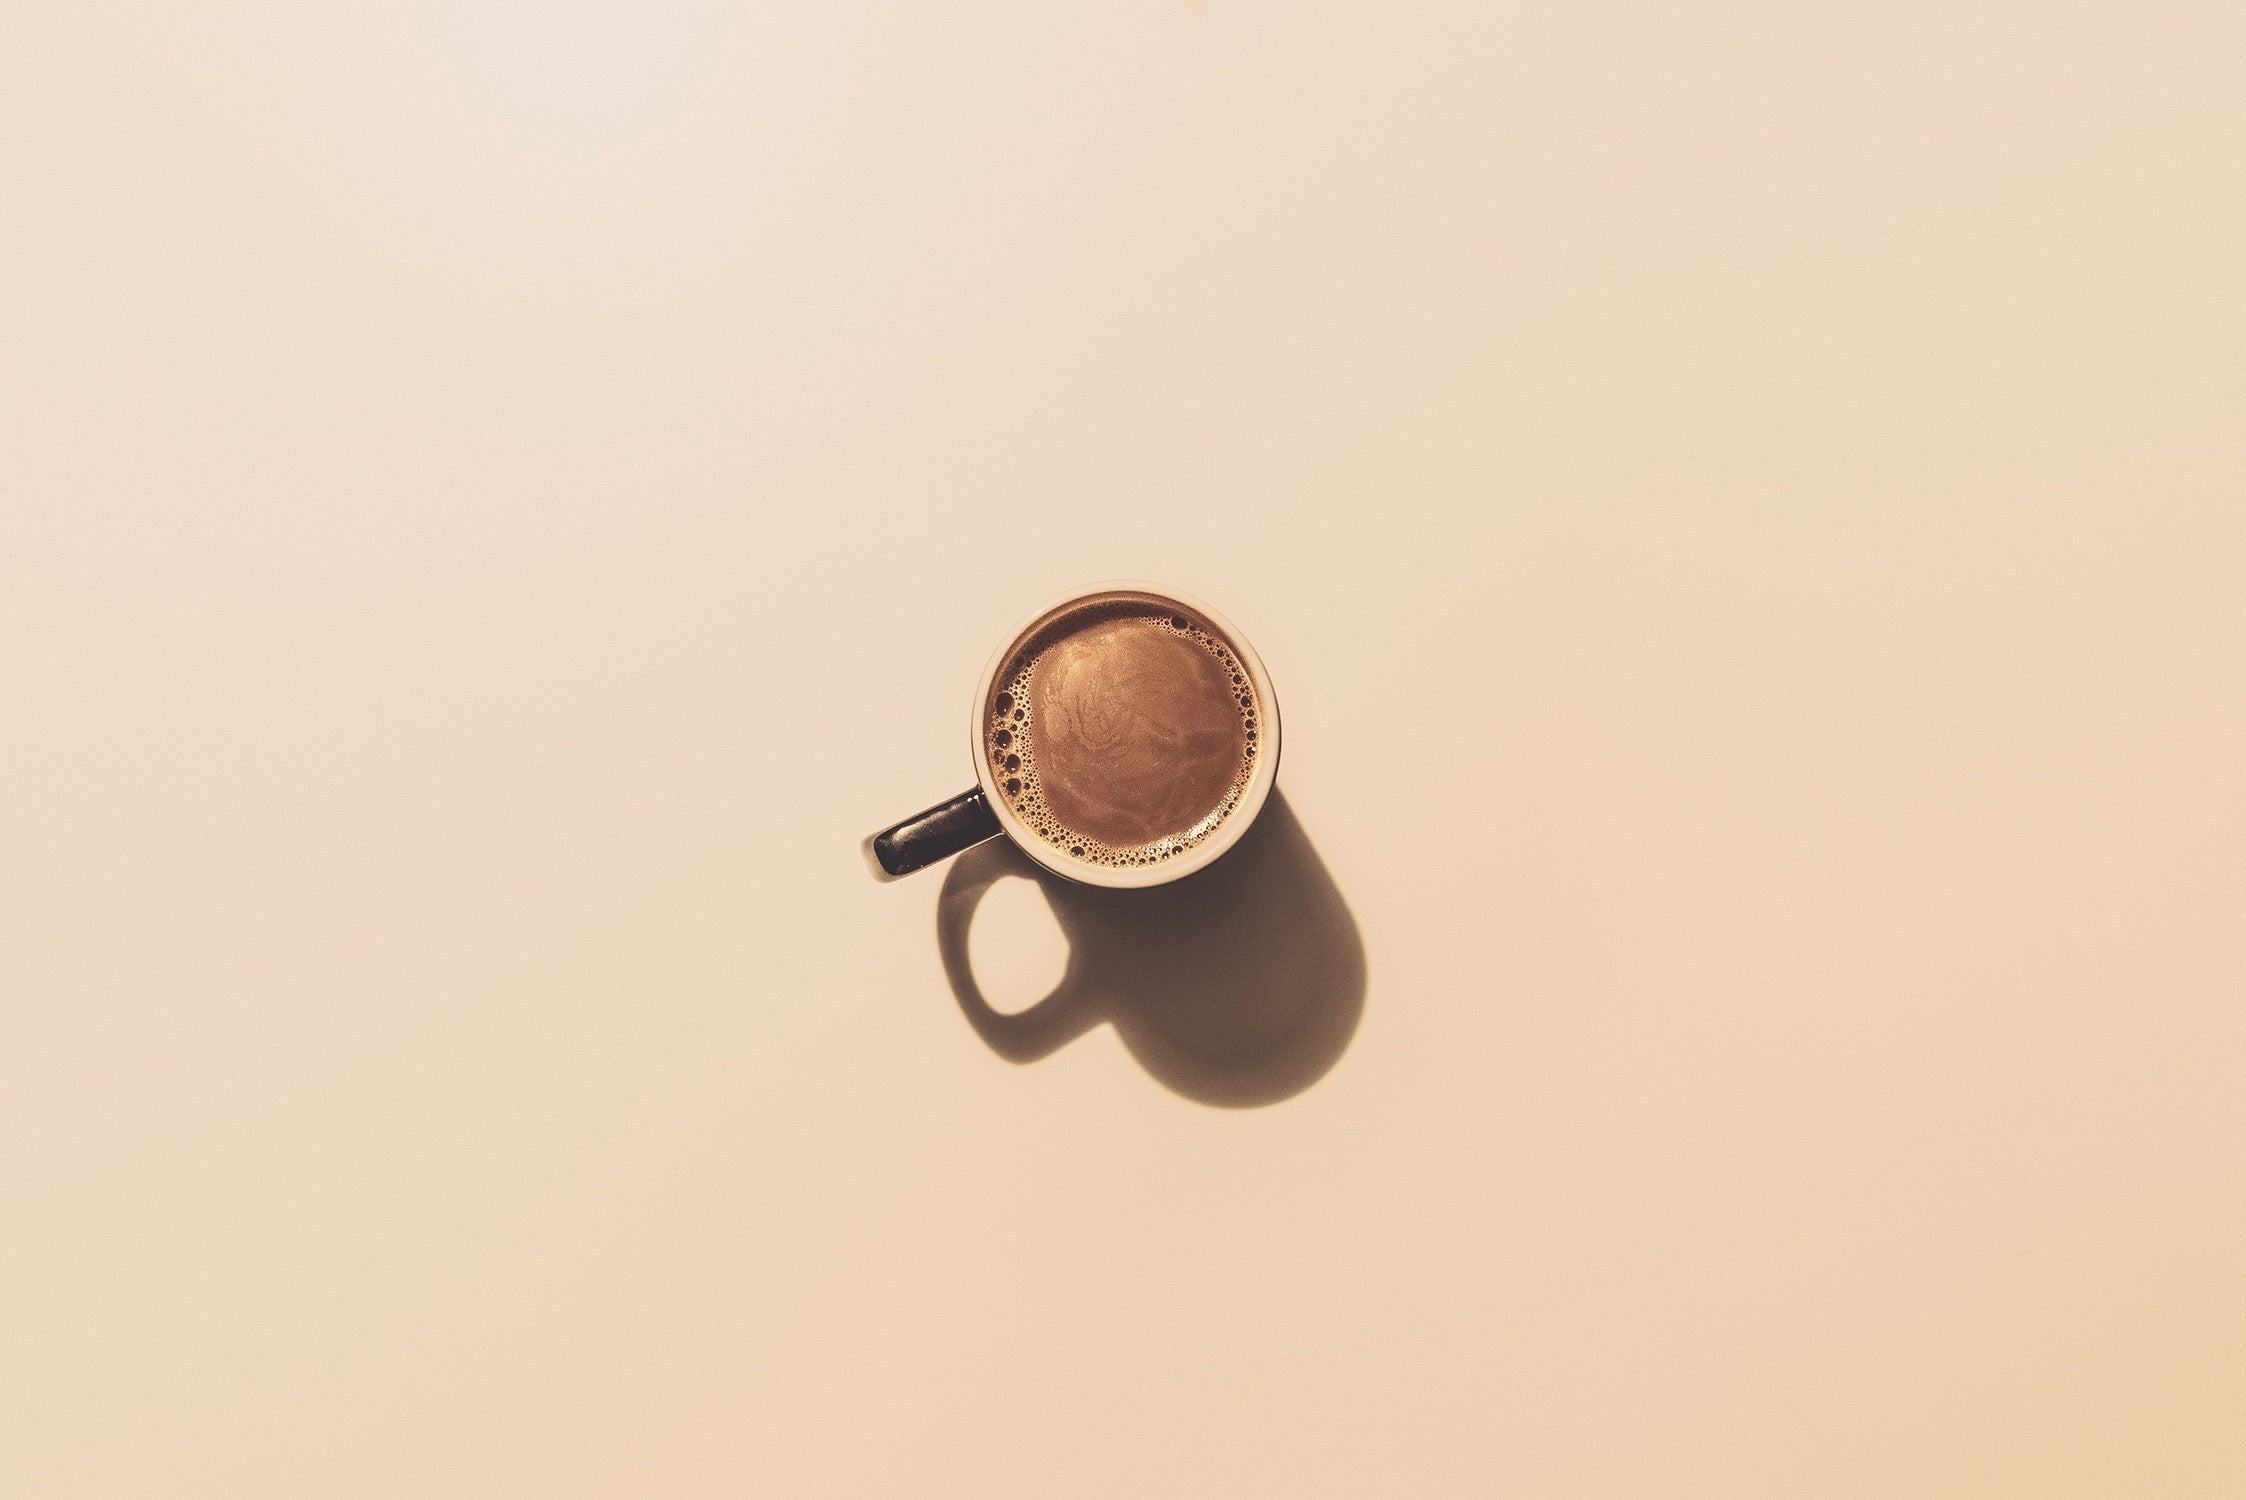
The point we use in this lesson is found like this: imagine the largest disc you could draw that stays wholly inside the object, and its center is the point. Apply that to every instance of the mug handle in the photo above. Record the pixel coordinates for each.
(939, 833)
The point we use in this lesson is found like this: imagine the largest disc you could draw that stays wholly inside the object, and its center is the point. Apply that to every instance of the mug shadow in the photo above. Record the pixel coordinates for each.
(1239, 985)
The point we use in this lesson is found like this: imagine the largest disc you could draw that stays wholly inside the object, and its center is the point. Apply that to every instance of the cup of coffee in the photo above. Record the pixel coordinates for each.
(1126, 735)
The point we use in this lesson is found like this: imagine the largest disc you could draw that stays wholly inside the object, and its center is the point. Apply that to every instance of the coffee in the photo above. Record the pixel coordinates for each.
(1122, 730)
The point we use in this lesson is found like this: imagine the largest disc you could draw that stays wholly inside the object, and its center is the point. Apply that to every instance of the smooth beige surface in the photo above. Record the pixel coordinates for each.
(1746, 507)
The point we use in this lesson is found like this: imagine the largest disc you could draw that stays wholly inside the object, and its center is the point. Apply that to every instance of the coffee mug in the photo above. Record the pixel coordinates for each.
(1125, 735)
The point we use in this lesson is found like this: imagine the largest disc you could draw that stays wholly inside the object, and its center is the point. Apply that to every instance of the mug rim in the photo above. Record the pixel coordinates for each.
(1222, 838)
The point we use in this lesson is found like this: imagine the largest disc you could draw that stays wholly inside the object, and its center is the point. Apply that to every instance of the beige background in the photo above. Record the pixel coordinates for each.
(1744, 504)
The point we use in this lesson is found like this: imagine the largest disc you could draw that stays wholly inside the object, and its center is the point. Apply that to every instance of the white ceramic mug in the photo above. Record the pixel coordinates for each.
(982, 813)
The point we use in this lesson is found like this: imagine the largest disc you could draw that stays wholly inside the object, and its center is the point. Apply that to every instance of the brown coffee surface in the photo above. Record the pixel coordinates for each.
(1124, 731)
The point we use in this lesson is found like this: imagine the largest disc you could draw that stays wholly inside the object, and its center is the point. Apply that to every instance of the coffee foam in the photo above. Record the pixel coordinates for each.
(1011, 724)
